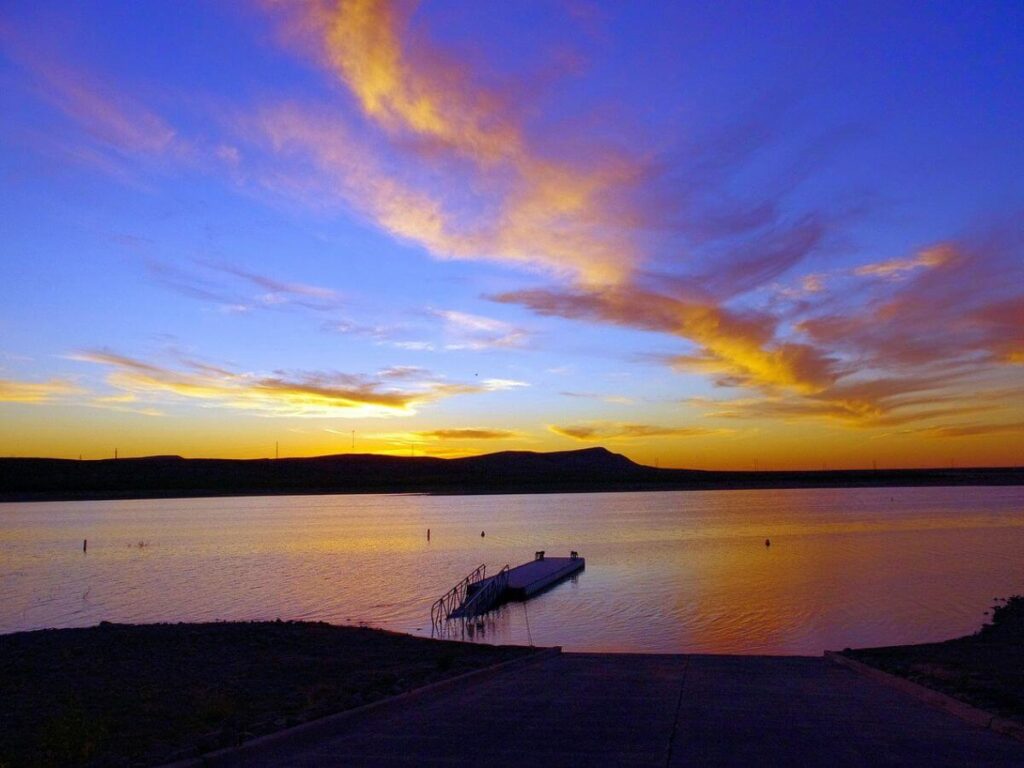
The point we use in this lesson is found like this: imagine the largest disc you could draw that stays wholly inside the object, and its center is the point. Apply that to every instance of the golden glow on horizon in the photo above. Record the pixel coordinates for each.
(95, 432)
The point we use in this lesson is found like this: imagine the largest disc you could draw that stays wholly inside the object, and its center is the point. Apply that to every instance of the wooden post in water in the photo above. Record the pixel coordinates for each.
(85, 545)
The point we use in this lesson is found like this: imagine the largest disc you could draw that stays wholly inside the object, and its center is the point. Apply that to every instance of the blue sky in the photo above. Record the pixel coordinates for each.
(697, 235)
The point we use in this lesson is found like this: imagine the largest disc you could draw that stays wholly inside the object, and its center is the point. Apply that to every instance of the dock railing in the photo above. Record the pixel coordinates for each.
(483, 599)
(446, 605)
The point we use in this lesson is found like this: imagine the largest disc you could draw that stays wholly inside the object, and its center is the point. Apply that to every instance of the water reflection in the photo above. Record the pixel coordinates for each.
(666, 572)
(493, 626)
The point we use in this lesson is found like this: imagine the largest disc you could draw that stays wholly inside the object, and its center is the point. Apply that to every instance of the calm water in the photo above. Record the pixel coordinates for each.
(666, 572)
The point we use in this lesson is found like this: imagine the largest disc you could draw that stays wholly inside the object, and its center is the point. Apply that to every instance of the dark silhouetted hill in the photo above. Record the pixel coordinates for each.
(592, 469)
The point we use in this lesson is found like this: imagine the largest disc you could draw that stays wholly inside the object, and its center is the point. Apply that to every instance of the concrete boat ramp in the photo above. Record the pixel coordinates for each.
(478, 593)
(578, 710)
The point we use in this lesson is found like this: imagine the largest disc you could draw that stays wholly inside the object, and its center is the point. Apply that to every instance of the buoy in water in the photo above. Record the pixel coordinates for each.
(482, 534)
(767, 542)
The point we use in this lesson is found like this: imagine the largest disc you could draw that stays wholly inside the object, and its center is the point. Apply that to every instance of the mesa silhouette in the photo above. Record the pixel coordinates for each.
(592, 469)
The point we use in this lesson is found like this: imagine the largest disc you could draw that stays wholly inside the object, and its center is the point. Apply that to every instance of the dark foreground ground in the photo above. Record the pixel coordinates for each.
(985, 670)
(143, 695)
(631, 710)
(128, 695)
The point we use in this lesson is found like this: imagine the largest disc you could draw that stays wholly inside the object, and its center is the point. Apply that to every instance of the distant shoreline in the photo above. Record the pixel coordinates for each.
(594, 470)
(747, 484)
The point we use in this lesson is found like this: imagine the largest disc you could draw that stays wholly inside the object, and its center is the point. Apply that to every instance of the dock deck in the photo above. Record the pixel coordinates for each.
(530, 578)
(526, 580)
(474, 596)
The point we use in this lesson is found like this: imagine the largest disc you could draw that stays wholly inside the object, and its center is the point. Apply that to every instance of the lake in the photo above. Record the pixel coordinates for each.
(666, 572)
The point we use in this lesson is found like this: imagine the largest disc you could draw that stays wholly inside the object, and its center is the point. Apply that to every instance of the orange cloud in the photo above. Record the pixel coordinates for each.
(898, 268)
(451, 133)
(467, 434)
(733, 345)
(609, 430)
(854, 413)
(974, 430)
(963, 312)
(430, 97)
(13, 391)
(302, 394)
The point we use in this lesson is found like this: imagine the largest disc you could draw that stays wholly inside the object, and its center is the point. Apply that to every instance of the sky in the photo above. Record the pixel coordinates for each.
(713, 235)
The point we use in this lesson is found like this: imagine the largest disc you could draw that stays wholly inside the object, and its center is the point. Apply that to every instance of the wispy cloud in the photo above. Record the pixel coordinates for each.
(449, 132)
(975, 430)
(36, 392)
(962, 306)
(235, 290)
(739, 346)
(281, 393)
(612, 399)
(467, 434)
(414, 346)
(598, 431)
(113, 124)
(497, 385)
(895, 269)
(933, 337)
(475, 332)
(404, 372)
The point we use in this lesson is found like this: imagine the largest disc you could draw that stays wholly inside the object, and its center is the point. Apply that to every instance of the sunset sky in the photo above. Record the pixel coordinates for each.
(712, 235)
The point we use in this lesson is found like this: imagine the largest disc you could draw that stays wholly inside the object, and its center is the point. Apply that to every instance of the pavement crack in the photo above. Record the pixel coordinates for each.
(675, 720)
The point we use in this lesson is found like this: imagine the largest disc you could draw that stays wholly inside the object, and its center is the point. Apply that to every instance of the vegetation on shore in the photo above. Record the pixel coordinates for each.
(120, 694)
(985, 669)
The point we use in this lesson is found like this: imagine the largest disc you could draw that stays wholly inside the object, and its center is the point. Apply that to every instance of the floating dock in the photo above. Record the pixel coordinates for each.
(526, 580)
(477, 594)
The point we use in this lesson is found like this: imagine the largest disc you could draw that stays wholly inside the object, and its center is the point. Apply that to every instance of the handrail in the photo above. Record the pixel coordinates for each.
(451, 600)
(484, 598)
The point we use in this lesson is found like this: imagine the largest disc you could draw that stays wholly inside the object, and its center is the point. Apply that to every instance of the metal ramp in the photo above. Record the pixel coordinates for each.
(487, 594)
(452, 600)
(474, 595)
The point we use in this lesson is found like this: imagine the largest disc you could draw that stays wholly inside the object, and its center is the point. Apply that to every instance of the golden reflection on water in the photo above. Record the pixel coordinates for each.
(666, 572)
